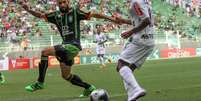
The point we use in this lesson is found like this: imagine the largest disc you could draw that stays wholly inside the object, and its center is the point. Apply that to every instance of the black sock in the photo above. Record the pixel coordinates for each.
(76, 80)
(0, 76)
(43, 68)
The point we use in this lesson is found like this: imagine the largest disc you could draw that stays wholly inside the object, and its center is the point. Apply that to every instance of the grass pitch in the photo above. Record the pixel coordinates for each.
(164, 80)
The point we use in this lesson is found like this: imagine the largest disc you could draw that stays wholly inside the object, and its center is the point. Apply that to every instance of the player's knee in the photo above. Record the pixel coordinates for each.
(119, 65)
(122, 63)
(66, 76)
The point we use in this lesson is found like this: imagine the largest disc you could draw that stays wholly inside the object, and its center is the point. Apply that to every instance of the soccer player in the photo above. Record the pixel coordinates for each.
(2, 79)
(100, 47)
(67, 21)
(139, 46)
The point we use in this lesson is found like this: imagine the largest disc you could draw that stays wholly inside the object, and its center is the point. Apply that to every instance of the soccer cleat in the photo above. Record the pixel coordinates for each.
(139, 94)
(34, 87)
(2, 79)
(88, 91)
(109, 60)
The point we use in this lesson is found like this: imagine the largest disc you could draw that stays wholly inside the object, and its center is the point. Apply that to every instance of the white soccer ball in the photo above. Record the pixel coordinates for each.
(99, 95)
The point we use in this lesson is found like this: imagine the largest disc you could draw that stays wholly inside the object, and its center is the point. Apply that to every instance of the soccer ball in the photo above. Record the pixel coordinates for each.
(99, 95)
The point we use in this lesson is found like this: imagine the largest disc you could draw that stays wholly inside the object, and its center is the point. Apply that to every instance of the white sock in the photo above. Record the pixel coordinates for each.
(129, 80)
(102, 61)
(128, 90)
(99, 58)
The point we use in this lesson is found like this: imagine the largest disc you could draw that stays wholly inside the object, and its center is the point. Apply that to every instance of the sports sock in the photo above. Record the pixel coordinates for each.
(102, 60)
(76, 80)
(42, 68)
(129, 80)
(128, 89)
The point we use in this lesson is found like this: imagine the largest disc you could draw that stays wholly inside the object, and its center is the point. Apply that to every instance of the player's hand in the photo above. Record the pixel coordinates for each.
(126, 34)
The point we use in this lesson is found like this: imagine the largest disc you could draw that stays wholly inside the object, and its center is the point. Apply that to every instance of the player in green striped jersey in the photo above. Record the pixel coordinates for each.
(67, 21)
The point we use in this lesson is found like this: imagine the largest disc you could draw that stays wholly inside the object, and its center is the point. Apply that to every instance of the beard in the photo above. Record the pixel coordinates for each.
(63, 10)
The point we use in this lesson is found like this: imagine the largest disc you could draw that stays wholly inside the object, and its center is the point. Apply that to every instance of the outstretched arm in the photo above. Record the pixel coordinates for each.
(88, 15)
(124, 21)
(116, 19)
(101, 16)
(28, 9)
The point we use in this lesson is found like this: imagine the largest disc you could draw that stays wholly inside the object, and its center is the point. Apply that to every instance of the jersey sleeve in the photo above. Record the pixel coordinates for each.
(50, 17)
(139, 9)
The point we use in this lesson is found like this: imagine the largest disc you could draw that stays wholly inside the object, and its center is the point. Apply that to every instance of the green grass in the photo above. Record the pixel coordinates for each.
(165, 80)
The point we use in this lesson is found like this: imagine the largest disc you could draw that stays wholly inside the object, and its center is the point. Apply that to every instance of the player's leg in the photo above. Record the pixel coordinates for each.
(101, 55)
(103, 60)
(43, 65)
(132, 57)
(75, 79)
(2, 79)
(130, 83)
(98, 54)
(102, 52)
(65, 54)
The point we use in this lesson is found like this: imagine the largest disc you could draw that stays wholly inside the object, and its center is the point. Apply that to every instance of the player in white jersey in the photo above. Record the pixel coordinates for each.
(138, 48)
(100, 47)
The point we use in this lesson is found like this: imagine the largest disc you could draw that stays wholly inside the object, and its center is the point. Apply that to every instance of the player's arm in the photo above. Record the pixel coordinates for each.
(89, 15)
(28, 9)
(102, 42)
(144, 23)
(124, 21)
(101, 16)
(144, 16)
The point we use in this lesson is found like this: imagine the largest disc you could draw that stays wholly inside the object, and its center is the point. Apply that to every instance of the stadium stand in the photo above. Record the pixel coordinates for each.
(16, 24)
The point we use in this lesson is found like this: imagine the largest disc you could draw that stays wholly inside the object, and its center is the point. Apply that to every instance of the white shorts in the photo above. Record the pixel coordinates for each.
(135, 54)
(100, 50)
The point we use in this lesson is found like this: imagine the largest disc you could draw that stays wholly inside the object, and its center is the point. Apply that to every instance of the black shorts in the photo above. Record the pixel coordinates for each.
(66, 52)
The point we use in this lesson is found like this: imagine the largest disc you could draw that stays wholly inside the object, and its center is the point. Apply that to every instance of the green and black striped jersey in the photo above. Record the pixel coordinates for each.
(68, 24)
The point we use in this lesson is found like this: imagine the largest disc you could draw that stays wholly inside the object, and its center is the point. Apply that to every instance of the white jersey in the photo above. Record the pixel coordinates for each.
(100, 47)
(140, 9)
(100, 39)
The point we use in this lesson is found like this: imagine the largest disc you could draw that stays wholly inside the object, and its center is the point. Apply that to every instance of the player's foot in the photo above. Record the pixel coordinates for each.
(34, 87)
(88, 91)
(109, 60)
(138, 94)
(2, 79)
